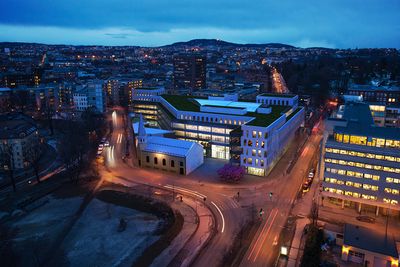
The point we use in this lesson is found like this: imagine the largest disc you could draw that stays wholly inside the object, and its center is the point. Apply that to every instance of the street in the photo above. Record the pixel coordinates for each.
(228, 212)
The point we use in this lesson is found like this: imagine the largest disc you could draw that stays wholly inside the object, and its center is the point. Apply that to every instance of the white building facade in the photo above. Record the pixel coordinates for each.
(251, 134)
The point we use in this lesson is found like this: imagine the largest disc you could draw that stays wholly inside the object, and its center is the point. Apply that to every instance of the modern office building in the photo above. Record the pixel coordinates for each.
(361, 161)
(18, 137)
(252, 134)
(91, 95)
(189, 71)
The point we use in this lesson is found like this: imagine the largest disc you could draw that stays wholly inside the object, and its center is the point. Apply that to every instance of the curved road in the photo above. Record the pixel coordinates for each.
(228, 212)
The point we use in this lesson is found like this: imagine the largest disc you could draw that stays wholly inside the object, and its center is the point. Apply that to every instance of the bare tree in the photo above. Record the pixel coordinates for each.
(314, 212)
(49, 112)
(7, 162)
(73, 147)
(33, 156)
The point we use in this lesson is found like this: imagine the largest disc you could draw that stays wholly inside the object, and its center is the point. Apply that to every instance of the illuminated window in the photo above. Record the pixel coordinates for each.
(348, 183)
(346, 138)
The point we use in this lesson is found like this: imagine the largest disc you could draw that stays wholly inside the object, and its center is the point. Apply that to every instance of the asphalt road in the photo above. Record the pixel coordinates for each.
(229, 214)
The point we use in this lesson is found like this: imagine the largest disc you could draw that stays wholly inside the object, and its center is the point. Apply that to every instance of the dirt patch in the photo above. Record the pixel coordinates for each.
(171, 222)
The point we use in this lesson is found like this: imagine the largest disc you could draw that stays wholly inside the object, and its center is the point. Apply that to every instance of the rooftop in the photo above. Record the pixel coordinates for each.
(168, 146)
(189, 103)
(15, 126)
(368, 239)
(181, 102)
(293, 113)
(278, 95)
(360, 122)
(249, 106)
(367, 87)
(264, 120)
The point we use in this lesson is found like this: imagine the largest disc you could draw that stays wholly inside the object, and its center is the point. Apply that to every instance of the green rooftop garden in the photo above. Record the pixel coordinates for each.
(292, 114)
(182, 102)
(187, 103)
(278, 95)
(263, 120)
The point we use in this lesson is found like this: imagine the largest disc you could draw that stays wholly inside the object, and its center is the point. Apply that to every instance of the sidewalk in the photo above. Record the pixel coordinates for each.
(293, 258)
(335, 214)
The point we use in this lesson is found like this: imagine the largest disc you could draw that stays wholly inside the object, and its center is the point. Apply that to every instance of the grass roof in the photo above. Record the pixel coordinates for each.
(187, 103)
(264, 120)
(182, 102)
(292, 114)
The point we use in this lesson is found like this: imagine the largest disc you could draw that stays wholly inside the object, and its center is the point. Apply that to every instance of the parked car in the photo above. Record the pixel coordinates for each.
(364, 218)
(106, 143)
(306, 187)
(311, 173)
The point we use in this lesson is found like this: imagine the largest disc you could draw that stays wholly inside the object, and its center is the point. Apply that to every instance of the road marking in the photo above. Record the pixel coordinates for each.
(119, 138)
(259, 236)
(186, 191)
(222, 216)
(265, 237)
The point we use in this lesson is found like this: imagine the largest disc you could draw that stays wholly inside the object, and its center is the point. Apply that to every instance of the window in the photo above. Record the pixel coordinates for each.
(155, 160)
(164, 162)
(147, 159)
(172, 163)
(180, 163)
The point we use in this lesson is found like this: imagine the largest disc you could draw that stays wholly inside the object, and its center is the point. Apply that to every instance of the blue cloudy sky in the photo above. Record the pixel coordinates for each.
(304, 23)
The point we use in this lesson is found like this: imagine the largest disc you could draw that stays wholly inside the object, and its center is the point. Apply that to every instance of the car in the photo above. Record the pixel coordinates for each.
(311, 173)
(305, 188)
(99, 152)
(365, 218)
(103, 140)
(106, 143)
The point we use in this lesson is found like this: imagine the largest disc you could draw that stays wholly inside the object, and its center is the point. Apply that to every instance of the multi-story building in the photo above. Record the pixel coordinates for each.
(376, 94)
(361, 162)
(384, 115)
(5, 94)
(189, 71)
(18, 138)
(91, 95)
(119, 89)
(252, 134)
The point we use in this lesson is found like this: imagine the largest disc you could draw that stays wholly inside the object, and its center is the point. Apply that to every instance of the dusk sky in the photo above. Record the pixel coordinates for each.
(336, 24)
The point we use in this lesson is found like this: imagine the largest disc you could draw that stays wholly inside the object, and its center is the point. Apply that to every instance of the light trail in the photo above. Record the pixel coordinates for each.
(119, 138)
(265, 236)
(259, 236)
(186, 191)
(222, 216)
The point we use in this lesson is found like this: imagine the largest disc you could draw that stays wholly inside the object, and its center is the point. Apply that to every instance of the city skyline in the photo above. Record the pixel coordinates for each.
(147, 23)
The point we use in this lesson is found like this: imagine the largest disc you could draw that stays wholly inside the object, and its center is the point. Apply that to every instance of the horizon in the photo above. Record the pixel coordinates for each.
(341, 24)
(187, 41)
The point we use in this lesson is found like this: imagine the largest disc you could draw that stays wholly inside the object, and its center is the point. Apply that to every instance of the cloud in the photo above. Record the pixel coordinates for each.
(339, 23)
